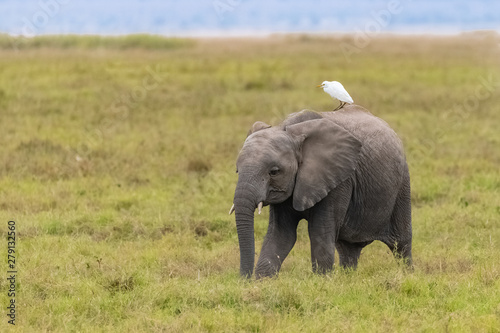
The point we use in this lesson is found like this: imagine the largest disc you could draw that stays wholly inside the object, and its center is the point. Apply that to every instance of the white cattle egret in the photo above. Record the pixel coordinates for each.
(336, 90)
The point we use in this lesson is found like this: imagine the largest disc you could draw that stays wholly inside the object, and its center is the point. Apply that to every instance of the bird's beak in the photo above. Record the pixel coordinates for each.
(319, 86)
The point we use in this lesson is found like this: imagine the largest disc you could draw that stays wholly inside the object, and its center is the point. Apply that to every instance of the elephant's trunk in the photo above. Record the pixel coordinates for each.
(245, 202)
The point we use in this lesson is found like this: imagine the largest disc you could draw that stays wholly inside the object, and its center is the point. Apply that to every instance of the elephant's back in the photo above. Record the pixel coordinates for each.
(361, 123)
(375, 135)
(379, 141)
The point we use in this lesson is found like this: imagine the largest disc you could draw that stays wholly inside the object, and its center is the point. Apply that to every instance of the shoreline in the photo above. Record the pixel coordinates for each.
(267, 34)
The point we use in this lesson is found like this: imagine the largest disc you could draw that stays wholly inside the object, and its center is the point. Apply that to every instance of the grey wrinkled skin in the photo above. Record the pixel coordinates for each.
(344, 172)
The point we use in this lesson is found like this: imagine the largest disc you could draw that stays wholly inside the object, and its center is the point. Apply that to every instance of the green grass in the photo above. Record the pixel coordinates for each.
(139, 41)
(117, 163)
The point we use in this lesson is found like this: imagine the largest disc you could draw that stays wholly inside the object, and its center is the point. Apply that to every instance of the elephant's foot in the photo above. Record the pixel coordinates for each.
(266, 268)
(322, 256)
(402, 252)
(349, 253)
(322, 267)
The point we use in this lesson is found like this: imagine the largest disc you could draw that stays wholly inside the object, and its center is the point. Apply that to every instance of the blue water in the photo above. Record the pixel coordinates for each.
(245, 17)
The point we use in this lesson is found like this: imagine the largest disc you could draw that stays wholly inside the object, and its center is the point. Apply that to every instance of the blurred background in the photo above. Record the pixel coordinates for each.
(120, 126)
(244, 17)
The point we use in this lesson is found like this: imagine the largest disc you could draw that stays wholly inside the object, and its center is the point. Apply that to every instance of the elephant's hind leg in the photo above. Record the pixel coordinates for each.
(348, 253)
(401, 251)
(400, 237)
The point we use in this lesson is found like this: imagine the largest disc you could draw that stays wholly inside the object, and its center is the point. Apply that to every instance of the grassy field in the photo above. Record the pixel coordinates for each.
(117, 163)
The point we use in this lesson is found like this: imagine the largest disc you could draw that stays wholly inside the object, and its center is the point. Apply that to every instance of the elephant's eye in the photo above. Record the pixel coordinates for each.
(274, 171)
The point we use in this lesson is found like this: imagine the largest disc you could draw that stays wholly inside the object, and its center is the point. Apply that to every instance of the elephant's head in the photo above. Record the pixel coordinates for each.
(304, 158)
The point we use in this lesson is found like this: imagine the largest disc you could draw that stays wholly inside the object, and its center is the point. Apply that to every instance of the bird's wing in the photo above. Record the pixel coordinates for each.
(345, 97)
(342, 94)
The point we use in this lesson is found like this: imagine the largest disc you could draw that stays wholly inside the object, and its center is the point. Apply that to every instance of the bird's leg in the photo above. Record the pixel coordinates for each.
(339, 107)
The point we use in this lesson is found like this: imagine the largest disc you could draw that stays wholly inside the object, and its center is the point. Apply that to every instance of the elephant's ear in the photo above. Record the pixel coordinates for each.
(257, 126)
(300, 117)
(329, 156)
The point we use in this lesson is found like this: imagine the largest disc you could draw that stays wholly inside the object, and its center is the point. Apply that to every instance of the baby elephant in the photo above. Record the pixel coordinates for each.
(345, 172)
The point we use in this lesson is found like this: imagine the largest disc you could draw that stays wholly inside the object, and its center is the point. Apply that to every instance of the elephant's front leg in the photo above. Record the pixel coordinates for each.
(323, 222)
(279, 241)
(322, 236)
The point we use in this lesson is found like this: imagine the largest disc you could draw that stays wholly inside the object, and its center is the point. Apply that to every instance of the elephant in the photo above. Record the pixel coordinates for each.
(345, 172)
